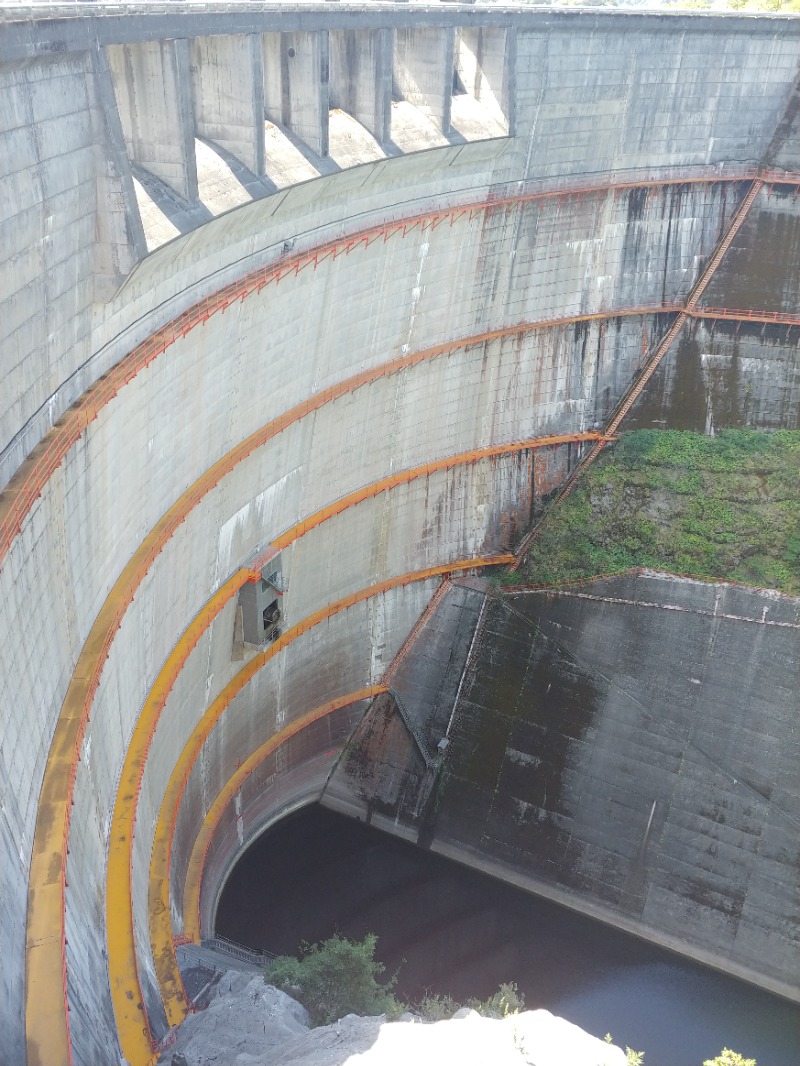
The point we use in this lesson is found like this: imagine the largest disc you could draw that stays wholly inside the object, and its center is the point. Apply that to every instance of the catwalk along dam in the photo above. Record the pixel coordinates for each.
(304, 311)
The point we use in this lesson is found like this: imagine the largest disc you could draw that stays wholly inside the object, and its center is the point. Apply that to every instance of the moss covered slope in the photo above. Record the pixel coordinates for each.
(725, 507)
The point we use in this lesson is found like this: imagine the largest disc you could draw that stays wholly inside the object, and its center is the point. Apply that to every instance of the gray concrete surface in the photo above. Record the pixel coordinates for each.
(588, 97)
(361, 77)
(629, 744)
(423, 61)
(152, 85)
(228, 91)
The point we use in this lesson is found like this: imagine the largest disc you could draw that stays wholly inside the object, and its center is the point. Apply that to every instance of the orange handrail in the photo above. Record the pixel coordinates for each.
(27, 485)
(403, 477)
(160, 920)
(48, 455)
(202, 843)
(45, 954)
(133, 1027)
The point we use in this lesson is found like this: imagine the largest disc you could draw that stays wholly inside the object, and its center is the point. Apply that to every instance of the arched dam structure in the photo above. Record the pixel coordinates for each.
(305, 309)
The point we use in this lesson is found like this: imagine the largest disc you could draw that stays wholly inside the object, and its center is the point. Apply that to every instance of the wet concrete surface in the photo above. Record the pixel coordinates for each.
(628, 748)
(724, 375)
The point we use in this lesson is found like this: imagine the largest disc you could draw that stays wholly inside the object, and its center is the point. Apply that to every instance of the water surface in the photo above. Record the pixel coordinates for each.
(449, 929)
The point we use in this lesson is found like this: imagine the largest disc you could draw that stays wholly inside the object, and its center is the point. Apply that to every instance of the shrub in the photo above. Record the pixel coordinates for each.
(727, 1057)
(632, 1058)
(436, 1008)
(335, 978)
(506, 1000)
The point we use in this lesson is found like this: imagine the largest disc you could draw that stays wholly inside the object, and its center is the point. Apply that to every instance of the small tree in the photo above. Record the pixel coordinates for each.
(727, 1057)
(335, 978)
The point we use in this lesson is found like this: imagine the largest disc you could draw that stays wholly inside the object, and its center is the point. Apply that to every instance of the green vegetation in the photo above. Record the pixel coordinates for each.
(724, 507)
(335, 978)
(729, 1058)
(436, 1008)
(505, 1001)
(340, 976)
(632, 1058)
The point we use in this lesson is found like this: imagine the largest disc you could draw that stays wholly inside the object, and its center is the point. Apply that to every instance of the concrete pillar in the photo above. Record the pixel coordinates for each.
(228, 86)
(361, 77)
(423, 70)
(296, 90)
(119, 236)
(154, 94)
(484, 61)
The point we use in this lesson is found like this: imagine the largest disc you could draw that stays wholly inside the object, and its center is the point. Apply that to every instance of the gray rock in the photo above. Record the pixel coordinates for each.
(248, 1023)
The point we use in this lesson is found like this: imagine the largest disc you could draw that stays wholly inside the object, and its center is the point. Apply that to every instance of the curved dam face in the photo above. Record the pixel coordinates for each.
(242, 449)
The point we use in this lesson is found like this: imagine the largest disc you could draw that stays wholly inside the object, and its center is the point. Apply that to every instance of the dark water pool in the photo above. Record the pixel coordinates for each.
(448, 929)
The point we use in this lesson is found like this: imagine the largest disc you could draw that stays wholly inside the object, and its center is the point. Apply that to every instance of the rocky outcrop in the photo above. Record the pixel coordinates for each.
(249, 1023)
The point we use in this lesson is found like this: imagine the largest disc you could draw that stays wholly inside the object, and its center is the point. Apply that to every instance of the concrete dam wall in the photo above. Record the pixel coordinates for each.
(628, 747)
(303, 309)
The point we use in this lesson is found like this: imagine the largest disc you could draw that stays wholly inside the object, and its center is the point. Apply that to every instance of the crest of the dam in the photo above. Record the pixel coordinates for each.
(305, 312)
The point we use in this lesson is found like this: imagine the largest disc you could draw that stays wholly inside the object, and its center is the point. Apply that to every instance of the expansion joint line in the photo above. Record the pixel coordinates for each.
(652, 364)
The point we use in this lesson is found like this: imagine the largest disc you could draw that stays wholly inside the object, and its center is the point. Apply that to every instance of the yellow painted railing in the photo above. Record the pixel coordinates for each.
(47, 1021)
(131, 1017)
(132, 1025)
(194, 873)
(160, 920)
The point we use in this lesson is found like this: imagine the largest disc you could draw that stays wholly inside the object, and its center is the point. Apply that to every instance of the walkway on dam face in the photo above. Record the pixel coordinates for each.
(131, 1017)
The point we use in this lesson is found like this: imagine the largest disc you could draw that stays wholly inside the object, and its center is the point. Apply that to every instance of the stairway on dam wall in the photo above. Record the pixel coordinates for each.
(305, 311)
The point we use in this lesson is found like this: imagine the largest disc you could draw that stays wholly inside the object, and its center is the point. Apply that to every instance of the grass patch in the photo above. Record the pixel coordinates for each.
(724, 507)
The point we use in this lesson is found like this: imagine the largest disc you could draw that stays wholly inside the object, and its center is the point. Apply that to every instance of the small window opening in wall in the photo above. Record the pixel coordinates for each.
(259, 608)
